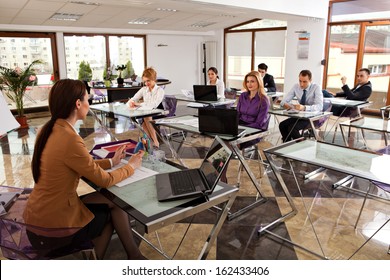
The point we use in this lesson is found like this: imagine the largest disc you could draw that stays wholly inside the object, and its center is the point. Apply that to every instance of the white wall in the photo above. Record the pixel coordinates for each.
(180, 60)
(317, 30)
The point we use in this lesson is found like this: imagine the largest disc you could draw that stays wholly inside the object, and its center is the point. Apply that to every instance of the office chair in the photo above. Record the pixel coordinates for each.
(15, 243)
(170, 103)
(308, 132)
(250, 152)
(99, 96)
(230, 94)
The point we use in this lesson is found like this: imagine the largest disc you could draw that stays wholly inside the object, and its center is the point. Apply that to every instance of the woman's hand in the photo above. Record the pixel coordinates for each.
(136, 160)
(120, 153)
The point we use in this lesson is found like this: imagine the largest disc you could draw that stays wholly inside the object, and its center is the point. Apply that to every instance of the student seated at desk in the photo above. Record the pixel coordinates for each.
(60, 159)
(268, 80)
(253, 104)
(252, 107)
(309, 96)
(212, 74)
(361, 92)
(152, 95)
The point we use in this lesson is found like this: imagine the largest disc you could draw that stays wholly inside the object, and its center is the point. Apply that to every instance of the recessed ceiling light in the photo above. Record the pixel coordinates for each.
(143, 20)
(166, 10)
(202, 24)
(85, 3)
(66, 16)
(226, 15)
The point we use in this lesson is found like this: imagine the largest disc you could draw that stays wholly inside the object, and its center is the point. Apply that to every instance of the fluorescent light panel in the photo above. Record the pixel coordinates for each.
(66, 16)
(202, 24)
(143, 20)
(85, 3)
(166, 10)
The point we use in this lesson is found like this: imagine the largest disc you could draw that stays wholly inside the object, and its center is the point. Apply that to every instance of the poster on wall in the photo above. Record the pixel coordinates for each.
(303, 45)
(8, 121)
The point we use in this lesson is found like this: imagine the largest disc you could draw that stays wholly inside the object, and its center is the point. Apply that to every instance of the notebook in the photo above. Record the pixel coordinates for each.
(205, 92)
(195, 182)
(220, 121)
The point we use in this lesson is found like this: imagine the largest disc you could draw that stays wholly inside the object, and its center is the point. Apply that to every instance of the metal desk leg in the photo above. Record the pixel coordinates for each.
(175, 155)
(292, 212)
(217, 227)
(236, 150)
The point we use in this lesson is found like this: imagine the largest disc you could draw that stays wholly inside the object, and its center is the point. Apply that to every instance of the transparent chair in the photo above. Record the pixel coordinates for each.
(17, 242)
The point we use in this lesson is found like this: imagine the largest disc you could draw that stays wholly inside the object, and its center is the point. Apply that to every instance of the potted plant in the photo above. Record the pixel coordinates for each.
(108, 76)
(14, 83)
(120, 68)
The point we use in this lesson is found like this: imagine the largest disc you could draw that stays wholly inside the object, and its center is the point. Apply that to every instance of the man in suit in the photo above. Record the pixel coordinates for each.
(361, 92)
(268, 80)
(310, 99)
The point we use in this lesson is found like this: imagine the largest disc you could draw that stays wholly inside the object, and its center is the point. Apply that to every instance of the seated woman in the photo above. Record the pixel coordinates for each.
(212, 74)
(60, 159)
(253, 105)
(152, 96)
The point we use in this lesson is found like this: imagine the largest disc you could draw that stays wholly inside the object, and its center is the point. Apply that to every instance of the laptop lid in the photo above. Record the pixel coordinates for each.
(205, 92)
(218, 121)
(214, 163)
(209, 172)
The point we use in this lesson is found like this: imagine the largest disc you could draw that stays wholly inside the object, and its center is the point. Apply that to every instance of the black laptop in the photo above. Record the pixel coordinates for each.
(205, 92)
(219, 121)
(195, 182)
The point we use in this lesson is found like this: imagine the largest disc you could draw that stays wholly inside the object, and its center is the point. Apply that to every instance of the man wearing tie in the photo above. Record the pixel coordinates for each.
(361, 92)
(310, 99)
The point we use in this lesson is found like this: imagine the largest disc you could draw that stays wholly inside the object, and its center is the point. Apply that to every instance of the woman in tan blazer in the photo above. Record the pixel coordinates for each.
(60, 159)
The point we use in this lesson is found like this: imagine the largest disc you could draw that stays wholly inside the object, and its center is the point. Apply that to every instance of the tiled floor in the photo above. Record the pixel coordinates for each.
(333, 212)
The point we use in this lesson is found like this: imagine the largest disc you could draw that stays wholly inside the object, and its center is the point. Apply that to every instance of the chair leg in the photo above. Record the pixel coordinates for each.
(89, 254)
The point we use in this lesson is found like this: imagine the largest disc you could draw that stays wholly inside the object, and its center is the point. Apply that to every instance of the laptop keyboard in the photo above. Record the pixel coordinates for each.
(184, 182)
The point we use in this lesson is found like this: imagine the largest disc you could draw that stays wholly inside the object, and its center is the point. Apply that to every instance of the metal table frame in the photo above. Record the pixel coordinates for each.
(331, 165)
(233, 143)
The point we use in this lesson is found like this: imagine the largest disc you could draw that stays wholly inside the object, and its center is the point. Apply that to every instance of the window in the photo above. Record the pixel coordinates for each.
(244, 50)
(378, 69)
(27, 47)
(92, 49)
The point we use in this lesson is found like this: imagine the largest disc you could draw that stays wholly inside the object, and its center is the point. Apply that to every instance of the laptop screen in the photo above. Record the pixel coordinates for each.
(215, 162)
(205, 92)
(218, 121)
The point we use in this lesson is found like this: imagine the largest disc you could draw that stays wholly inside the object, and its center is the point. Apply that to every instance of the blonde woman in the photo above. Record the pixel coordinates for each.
(152, 96)
(253, 103)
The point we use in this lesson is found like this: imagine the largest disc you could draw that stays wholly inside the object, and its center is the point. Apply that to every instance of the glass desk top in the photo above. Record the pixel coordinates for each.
(369, 123)
(188, 123)
(298, 114)
(122, 109)
(345, 102)
(139, 199)
(363, 164)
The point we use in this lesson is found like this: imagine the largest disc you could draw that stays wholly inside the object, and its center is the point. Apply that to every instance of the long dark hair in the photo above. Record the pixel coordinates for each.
(62, 101)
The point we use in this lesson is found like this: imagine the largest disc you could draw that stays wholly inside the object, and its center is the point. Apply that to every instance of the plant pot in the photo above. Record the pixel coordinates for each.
(107, 83)
(120, 81)
(22, 121)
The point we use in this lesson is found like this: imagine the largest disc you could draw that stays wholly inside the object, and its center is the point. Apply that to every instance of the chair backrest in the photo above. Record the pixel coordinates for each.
(98, 92)
(230, 94)
(17, 243)
(169, 103)
(326, 107)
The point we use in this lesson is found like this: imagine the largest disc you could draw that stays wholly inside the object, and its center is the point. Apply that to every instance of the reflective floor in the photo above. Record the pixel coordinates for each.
(328, 231)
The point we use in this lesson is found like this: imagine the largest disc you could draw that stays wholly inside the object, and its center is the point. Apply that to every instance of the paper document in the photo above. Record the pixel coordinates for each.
(196, 105)
(139, 174)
